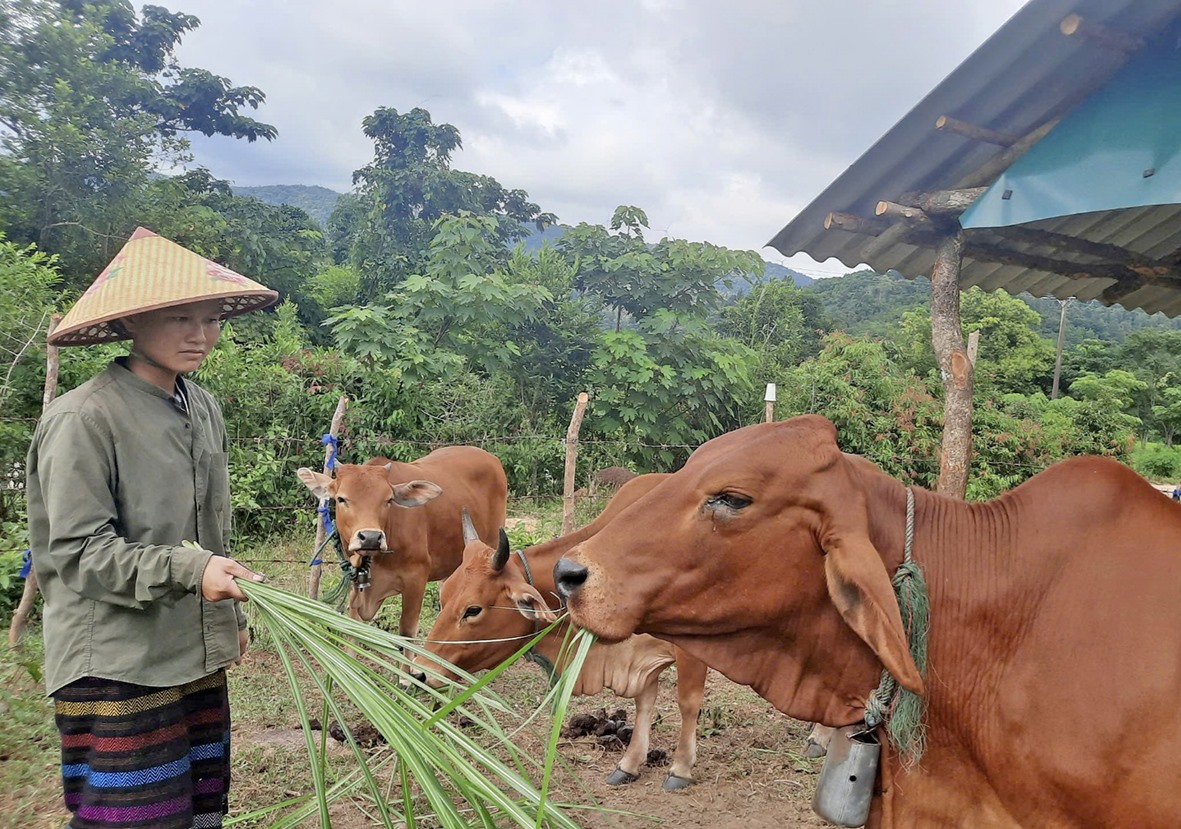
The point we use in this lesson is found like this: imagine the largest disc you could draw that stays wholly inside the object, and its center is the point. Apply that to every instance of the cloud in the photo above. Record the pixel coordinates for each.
(720, 118)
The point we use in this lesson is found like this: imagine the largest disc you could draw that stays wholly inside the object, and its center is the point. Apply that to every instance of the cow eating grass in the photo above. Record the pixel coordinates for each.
(496, 600)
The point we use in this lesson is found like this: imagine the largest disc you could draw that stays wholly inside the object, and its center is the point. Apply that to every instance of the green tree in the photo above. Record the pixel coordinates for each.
(91, 101)
(881, 410)
(665, 395)
(781, 323)
(1012, 356)
(30, 282)
(410, 185)
(1090, 356)
(632, 277)
(434, 323)
(555, 344)
(1149, 354)
(1167, 414)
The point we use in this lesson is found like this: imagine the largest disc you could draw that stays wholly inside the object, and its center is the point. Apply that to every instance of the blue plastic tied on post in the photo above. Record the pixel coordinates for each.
(330, 441)
(329, 529)
(26, 563)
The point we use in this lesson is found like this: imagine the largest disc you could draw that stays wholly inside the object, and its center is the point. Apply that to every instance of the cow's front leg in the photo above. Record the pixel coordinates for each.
(633, 759)
(691, 674)
(413, 590)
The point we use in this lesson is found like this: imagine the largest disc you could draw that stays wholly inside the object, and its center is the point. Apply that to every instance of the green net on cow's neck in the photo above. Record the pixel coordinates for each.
(899, 709)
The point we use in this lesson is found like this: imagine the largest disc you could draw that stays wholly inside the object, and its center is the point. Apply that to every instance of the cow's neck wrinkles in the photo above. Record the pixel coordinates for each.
(974, 598)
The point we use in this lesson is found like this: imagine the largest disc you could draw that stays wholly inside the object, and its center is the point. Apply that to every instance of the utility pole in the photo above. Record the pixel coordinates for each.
(1061, 338)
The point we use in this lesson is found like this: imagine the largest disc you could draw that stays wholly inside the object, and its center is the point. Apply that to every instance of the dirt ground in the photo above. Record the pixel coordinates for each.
(750, 772)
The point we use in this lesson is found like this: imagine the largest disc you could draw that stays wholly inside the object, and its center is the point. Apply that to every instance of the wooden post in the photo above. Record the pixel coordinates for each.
(24, 609)
(769, 399)
(955, 367)
(334, 430)
(1061, 339)
(571, 459)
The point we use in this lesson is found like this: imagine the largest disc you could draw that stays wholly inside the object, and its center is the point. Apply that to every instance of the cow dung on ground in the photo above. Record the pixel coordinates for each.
(612, 731)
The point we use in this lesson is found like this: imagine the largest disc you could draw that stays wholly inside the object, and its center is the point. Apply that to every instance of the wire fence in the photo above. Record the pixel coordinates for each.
(309, 452)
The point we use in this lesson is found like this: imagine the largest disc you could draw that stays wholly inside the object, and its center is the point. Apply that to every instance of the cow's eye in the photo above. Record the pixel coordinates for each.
(728, 500)
(473, 611)
(342, 502)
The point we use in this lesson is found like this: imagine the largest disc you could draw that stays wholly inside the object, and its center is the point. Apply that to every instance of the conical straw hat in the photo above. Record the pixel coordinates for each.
(152, 272)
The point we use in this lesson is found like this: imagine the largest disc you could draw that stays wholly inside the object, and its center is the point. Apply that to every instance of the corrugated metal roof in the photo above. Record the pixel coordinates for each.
(1023, 76)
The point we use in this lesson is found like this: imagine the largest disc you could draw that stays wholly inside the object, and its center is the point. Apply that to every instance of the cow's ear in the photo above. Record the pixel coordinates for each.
(862, 593)
(416, 493)
(317, 482)
(530, 603)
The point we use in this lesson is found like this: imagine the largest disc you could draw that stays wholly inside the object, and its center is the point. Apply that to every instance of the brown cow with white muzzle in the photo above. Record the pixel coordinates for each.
(405, 517)
(496, 600)
(1055, 620)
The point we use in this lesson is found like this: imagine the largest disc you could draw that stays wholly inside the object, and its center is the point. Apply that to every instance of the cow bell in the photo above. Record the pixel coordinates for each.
(845, 788)
(361, 578)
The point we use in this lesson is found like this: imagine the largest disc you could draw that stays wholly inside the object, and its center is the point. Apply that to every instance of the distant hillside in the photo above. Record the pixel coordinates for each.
(317, 202)
(865, 302)
(774, 271)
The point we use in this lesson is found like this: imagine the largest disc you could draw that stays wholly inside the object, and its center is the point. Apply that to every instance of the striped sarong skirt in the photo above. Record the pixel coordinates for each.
(134, 756)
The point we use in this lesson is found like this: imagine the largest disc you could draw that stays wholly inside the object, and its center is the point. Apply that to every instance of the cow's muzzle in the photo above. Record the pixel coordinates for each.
(368, 541)
(569, 576)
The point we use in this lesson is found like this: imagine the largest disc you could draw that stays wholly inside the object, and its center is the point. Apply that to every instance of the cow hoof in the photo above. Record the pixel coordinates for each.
(814, 750)
(672, 783)
(620, 777)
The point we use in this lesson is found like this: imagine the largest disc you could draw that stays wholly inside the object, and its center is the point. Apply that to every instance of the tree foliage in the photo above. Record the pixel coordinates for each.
(409, 186)
(91, 101)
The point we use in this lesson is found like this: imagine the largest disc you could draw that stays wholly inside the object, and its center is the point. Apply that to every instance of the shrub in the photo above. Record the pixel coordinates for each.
(1157, 462)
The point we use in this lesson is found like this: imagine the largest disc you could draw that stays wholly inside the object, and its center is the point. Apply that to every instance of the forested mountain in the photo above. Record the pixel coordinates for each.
(317, 202)
(868, 303)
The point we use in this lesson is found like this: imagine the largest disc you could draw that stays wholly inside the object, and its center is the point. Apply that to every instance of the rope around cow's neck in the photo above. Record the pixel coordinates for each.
(899, 709)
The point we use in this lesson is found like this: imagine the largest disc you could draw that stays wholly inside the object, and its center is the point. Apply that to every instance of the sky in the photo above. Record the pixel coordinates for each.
(721, 119)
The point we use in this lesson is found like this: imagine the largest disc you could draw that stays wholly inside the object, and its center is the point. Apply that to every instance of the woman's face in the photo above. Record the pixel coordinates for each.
(178, 338)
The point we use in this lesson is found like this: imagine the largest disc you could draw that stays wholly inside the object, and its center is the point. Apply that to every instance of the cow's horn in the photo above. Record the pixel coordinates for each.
(500, 557)
(469, 529)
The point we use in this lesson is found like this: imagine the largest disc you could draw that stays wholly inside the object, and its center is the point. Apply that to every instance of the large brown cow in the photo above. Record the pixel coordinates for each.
(1055, 619)
(409, 547)
(492, 602)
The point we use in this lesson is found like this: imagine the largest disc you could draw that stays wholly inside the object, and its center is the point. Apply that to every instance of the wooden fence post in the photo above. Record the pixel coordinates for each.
(329, 462)
(769, 399)
(20, 616)
(571, 458)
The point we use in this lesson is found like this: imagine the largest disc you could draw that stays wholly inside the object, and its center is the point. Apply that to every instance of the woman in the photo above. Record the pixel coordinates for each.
(129, 522)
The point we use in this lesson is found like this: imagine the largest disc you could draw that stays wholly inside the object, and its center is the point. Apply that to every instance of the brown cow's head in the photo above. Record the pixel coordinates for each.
(756, 557)
(487, 600)
(366, 507)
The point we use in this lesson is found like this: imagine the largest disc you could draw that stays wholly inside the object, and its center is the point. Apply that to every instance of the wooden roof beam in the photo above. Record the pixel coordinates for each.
(946, 123)
(1074, 25)
(942, 202)
(988, 172)
(1127, 279)
(1103, 251)
(837, 220)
